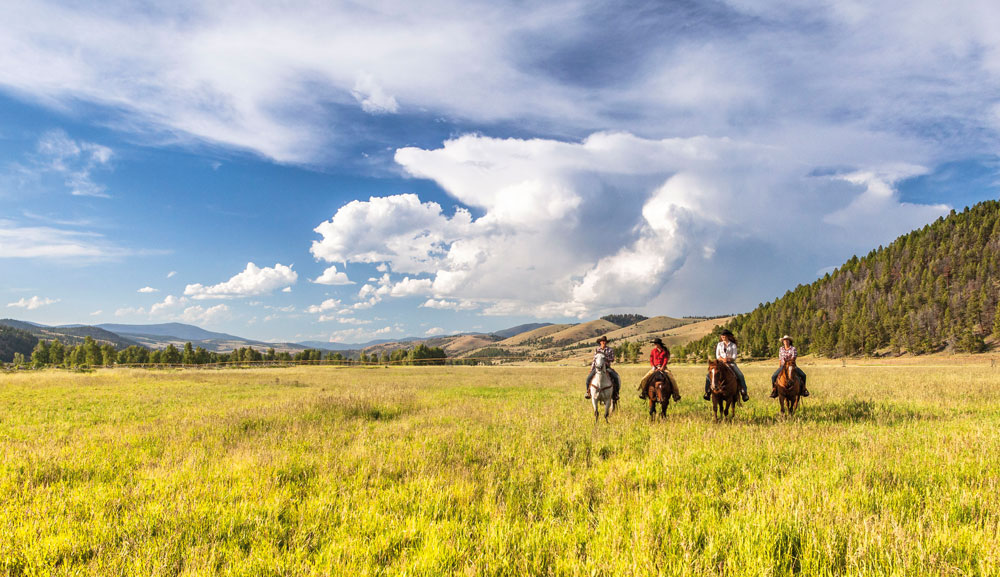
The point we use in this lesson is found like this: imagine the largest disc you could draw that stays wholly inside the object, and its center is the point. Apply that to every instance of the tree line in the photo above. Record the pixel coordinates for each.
(90, 353)
(936, 288)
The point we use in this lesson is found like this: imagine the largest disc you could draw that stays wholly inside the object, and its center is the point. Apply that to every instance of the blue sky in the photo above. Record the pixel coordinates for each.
(345, 172)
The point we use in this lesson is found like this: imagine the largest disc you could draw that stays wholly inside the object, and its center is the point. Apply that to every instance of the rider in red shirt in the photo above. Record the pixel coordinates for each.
(658, 359)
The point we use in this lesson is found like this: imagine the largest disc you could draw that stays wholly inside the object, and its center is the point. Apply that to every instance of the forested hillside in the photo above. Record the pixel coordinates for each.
(13, 340)
(933, 289)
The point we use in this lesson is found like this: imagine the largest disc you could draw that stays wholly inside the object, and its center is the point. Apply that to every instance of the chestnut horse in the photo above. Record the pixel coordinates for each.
(658, 391)
(725, 388)
(789, 387)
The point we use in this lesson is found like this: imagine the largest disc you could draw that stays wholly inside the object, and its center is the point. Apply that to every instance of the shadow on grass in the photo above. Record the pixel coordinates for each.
(365, 409)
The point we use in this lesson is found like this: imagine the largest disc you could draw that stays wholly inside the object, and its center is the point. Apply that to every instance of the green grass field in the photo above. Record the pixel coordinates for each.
(889, 470)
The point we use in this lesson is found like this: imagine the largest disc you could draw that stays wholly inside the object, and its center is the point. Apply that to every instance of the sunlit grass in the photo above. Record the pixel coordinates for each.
(494, 471)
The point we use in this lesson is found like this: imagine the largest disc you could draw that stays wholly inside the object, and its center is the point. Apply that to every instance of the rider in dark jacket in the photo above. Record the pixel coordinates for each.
(609, 357)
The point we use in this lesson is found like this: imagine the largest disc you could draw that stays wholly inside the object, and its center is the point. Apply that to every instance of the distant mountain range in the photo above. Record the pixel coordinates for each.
(174, 330)
(540, 341)
(158, 336)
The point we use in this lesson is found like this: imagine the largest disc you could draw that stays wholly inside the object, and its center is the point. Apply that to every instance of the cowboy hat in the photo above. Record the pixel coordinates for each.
(785, 338)
(603, 339)
(726, 332)
(658, 341)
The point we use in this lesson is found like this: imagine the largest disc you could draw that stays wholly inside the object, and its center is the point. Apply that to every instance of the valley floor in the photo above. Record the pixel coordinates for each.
(889, 469)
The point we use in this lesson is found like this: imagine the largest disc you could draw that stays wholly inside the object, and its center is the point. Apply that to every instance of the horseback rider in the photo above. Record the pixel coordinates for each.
(658, 359)
(787, 353)
(727, 352)
(609, 357)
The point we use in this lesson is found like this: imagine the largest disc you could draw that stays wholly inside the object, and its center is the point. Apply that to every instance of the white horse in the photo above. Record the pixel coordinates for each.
(601, 387)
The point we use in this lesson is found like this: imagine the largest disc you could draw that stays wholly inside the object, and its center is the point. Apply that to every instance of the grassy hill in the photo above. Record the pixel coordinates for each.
(71, 335)
(582, 332)
(534, 336)
(933, 289)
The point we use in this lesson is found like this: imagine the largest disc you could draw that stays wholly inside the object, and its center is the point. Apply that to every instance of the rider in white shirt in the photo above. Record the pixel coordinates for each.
(727, 352)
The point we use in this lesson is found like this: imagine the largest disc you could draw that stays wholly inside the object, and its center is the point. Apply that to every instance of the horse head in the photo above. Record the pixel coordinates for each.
(600, 363)
(717, 373)
(659, 387)
(790, 370)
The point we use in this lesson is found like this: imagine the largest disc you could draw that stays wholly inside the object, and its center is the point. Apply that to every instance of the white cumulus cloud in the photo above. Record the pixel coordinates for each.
(253, 281)
(614, 220)
(331, 276)
(148, 289)
(327, 305)
(198, 314)
(444, 304)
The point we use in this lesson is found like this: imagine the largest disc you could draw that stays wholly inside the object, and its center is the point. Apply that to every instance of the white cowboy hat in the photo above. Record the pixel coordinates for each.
(784, 338)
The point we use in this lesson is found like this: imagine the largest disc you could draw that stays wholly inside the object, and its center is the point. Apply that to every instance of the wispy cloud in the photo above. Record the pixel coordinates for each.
(33, 303)
(75, 161)
(923, 70)
(45, 242)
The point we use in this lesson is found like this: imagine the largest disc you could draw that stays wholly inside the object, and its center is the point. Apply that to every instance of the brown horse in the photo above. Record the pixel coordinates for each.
(789, 387)
(658, 391)
(725, 388)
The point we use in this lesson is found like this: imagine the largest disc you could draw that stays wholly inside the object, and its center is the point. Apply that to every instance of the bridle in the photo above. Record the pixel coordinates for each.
(601, 369)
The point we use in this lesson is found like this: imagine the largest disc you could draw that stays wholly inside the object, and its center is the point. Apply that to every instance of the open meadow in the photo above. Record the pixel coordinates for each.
(887, 470)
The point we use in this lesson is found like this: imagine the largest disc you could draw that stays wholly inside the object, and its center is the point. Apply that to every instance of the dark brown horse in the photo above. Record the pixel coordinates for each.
(789, 387)
(725, 388)
(658, 391)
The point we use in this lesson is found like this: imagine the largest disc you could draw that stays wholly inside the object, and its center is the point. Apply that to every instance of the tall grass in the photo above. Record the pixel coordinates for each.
(494, 471)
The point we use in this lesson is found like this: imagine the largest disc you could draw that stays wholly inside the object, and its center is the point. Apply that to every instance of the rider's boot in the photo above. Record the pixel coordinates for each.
(642, 391)
(673, 388)
(804, 392)
(744, 395)
(708, 395)
(774, 390)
